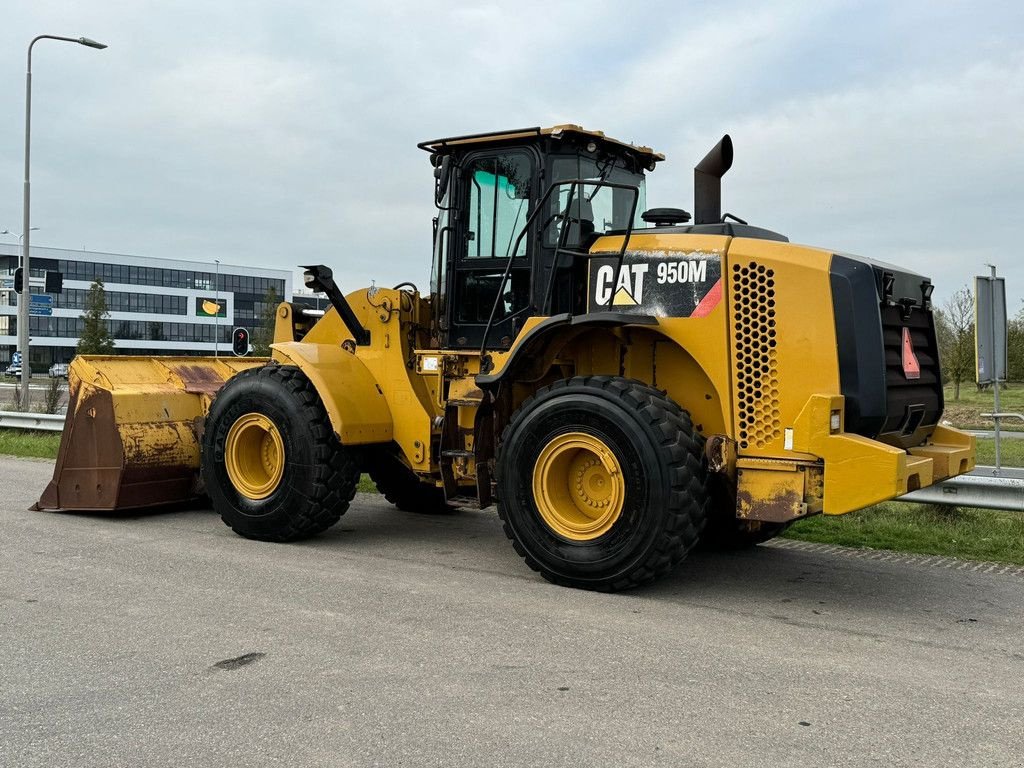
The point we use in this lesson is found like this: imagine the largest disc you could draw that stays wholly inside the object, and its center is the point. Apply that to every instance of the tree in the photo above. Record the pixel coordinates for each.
(955, 329)
(1015, 348)
(263, 334)
(95, 339)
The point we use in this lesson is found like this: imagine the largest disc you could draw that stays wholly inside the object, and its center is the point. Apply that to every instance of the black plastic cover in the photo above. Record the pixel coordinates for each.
(726, 228)
(873, 303)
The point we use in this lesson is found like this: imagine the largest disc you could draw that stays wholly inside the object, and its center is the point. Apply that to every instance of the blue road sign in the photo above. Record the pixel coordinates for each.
(40, 305)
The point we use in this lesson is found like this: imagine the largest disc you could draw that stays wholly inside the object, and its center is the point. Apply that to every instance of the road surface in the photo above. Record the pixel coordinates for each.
(404, 640)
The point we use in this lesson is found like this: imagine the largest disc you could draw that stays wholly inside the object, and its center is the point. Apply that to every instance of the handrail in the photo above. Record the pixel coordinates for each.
(1003, 416)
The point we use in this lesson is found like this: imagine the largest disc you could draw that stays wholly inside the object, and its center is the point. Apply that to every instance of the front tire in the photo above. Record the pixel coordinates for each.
(601, 483)
(272, 465)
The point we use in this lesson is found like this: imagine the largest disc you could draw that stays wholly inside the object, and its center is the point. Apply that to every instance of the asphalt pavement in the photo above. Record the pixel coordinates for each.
(397, 639)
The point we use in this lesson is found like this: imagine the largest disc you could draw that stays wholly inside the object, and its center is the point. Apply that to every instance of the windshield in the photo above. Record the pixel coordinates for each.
(601, 209)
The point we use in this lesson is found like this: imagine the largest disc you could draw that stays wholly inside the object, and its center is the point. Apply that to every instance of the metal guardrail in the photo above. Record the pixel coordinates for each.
(985, 487)
(41, 421)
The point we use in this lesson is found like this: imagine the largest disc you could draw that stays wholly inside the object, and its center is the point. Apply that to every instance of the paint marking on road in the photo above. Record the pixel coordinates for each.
(929, 561)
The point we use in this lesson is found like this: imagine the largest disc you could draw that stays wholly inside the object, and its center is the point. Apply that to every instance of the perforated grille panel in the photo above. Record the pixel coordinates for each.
(756, 364)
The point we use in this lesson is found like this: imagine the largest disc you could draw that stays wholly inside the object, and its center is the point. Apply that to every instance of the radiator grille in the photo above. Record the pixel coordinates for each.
(756, 364)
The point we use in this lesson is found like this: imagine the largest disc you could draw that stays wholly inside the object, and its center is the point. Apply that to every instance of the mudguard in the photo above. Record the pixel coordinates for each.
(355, 402)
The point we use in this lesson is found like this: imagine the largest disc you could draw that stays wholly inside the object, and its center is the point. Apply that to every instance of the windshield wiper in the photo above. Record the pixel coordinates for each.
(607, 169)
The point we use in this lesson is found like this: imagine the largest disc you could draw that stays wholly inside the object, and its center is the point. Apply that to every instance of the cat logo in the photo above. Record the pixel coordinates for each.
(627, 291)
(665, 283)
(622, 298)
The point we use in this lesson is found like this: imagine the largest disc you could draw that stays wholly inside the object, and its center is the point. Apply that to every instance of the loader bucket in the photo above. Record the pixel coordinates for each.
(133, 430)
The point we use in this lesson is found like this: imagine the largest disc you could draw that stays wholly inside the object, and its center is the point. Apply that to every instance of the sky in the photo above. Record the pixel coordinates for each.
(278, 134)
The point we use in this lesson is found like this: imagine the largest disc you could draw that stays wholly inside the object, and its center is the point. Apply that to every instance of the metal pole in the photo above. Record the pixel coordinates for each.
(26, 290)
(995, 364)
(216, 317)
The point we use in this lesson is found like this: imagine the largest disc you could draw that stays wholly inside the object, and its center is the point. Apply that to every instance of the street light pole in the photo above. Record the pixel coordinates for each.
(216, 317)
(26, 295)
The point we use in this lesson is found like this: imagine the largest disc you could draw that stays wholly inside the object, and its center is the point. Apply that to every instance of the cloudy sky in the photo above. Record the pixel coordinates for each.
(271, 133)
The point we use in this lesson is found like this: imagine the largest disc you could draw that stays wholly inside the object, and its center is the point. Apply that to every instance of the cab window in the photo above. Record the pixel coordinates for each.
(499, 201)
(595, 210)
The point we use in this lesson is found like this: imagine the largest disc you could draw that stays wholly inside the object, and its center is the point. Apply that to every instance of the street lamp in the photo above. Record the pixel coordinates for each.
(26, 223)
(15, 234)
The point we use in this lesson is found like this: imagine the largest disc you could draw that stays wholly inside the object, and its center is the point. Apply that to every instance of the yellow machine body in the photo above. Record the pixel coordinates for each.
(771, 428)
(756, 360)
(133, 425)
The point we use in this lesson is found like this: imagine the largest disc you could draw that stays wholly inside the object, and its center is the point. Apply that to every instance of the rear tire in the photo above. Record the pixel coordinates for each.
(601, 483)
(272, 464)
(403, 488)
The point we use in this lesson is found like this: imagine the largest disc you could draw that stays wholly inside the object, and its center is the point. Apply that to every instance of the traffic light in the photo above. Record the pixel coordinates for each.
(18, 273)
(240, 342)
(54, 282)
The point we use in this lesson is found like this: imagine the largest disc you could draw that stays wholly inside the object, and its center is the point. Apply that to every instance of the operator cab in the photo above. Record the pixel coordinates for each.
(524, 203)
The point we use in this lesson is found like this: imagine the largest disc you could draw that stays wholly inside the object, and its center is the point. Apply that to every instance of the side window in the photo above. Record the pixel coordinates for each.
(439, 269)
(499, 201)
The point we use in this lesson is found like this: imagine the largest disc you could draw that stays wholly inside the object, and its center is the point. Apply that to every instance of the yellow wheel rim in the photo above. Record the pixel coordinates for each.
(578, 486)
(254, 456)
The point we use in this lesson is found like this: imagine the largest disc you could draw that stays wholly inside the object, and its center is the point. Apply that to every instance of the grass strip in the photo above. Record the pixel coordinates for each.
(927, 529)
(1011, 452)
(28, 443)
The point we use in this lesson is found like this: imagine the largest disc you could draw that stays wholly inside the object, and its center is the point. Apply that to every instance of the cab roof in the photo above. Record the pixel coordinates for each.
(558, 131)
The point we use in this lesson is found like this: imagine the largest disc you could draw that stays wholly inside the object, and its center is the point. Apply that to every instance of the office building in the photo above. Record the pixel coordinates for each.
(157, 306)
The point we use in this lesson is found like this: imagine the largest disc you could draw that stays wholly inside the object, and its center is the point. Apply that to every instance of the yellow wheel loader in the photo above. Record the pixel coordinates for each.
(622, 382)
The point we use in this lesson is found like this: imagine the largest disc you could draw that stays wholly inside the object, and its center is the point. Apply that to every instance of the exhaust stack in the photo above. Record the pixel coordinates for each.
(707, 182)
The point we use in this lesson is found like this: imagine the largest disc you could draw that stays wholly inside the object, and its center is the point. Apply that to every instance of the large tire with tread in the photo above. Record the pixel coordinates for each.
(400, 486)
(315, 475)
(652, 462)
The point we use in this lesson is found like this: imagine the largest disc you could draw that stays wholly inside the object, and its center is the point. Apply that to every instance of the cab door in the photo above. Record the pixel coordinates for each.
(496, 190)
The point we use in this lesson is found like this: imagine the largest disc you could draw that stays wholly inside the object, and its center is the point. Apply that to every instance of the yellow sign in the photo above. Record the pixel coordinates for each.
(210, 307)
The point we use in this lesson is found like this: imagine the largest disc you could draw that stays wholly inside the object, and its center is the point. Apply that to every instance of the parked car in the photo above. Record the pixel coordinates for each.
(59, 371)
(13, 370)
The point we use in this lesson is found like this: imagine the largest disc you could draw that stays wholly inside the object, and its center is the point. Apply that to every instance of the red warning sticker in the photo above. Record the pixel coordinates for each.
(911, 367)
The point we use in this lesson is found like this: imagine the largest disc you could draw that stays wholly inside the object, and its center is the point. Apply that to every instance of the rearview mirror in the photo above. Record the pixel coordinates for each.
(442, 174)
